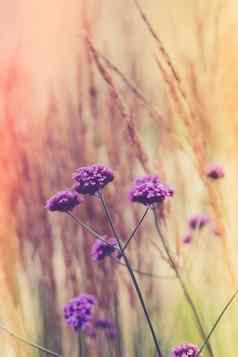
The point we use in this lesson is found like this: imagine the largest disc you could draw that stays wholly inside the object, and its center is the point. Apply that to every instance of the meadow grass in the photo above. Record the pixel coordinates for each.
(157, 96)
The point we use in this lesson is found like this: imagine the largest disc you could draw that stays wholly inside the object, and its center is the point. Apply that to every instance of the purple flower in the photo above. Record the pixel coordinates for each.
(107, 326)
(90, 179)
(187, 237)
(198, 221)
(63, 201)
(100, 250)
(78, 311)
(186, 349)
(215, 171)
(149, 190)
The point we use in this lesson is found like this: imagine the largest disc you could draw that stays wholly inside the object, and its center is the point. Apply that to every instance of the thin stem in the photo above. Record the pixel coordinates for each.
(80, 344)
(217, 321)
(182, 284)
(136, 229)
(161, 253)
(90, 230)
(136, 285)
(34, 345)
(97, 236)
(135, 270)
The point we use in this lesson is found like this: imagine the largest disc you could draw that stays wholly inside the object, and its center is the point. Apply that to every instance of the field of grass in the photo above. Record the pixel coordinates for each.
(143, 88)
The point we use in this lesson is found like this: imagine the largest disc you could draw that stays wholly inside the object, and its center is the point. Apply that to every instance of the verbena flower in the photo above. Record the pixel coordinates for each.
(78, 311)
(198, 221)
(148, 190)
(215, 171)
(63, 201)
(186, 349)
(107, 326)
(91, 179)
(101, 249)
(187, 237)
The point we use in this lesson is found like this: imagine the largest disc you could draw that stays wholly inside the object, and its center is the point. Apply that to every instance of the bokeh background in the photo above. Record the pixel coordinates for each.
(57, 112)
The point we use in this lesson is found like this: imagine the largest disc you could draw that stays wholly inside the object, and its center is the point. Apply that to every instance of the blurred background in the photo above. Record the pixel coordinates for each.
(176, 114)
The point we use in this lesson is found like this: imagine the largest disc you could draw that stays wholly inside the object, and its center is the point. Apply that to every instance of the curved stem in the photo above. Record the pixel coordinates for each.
(34, 345)
(136, 229)
(136, 285)
(182, 284)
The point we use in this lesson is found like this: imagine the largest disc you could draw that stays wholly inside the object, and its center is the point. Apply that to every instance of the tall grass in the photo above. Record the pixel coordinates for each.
(137, 102)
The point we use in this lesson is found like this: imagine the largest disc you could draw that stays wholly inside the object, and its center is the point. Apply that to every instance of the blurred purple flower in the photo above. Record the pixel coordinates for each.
(63, 201)
(186, 349)
(100, 250)
(107, 326)
(149, 190)
(89, 329)
(78, 311)
(198, 221)
(90, 179)
(215, 171)
(187, 237)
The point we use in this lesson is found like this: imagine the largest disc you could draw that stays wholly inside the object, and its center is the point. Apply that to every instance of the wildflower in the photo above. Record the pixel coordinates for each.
(78, 312)
(215, 171)
(149, 190)
(186, 349)
(91, 179)
(101, 249)
(107, 326)
(198, 221)
(63, 201)
(187, 237)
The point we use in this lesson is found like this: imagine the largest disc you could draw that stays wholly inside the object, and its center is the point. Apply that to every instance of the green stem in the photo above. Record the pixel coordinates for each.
(98, 236)
(135, 270)
(90, 230)
(182, 284)
(217, 321)
(80, 344)
(136, 229)
(136, 285)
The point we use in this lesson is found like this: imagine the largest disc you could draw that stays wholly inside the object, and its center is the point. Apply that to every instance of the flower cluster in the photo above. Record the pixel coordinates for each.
(185, 350)
(91, 179)
(78, 312)
(215, 171)
(64, 201)
(149, 190)
(101, 249)
(195, 222)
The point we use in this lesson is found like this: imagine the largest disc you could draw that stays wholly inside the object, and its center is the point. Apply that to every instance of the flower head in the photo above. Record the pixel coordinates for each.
(198, 221)
(107, 326)
(215, 171)
(149, 190)
(90, 179)
(78, 311)
(101, 249)
(63, 201)
(186, 349)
